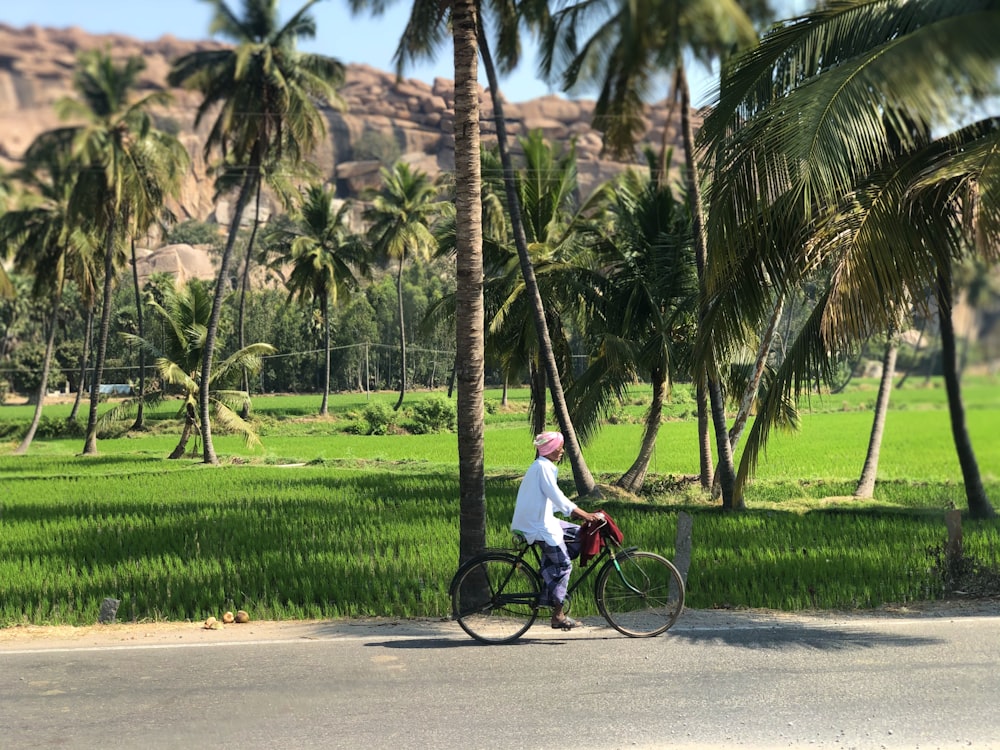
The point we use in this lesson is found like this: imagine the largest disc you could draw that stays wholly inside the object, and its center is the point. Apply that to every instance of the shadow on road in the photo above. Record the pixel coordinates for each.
(757, 636)
(793, 635)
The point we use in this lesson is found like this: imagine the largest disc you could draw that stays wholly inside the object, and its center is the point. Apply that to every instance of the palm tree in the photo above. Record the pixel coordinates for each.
(422, 36)
(824, 158)
(185, 313)
(280, 178)
(632, 44)
(545, 190)
(469, 317)
(975, 492)
(323, 253)
(645, 304)
(39, 233)
(264, 95)
(125, 168)
(402, 213)
(141, 220)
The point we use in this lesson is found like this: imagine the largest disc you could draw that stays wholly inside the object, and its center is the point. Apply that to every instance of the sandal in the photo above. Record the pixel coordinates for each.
(567, 623)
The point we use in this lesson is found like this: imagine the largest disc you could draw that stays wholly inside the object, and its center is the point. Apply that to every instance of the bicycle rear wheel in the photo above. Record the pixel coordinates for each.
(640, 594)
(494, 597)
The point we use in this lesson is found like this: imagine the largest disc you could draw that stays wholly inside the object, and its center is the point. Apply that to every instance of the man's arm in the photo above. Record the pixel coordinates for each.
(583, 515)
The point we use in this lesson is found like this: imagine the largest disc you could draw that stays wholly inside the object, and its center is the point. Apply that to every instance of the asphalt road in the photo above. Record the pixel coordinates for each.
(721, 680)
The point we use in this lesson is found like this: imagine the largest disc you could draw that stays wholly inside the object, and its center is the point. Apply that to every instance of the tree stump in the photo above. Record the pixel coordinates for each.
(953, 522)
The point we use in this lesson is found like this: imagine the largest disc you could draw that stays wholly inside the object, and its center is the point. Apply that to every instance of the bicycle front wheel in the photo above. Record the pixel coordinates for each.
(640, 594)
(494, 597)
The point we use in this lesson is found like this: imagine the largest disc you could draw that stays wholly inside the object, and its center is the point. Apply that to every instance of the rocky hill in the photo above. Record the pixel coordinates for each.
(411, 117)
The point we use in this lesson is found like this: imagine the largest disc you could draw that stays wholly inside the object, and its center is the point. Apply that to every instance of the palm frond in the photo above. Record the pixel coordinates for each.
(229, 420)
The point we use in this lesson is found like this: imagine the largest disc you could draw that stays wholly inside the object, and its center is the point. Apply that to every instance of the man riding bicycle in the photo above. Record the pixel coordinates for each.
(538, 500)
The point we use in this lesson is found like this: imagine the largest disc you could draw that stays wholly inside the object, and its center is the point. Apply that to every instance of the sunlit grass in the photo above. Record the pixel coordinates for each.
(319, 522)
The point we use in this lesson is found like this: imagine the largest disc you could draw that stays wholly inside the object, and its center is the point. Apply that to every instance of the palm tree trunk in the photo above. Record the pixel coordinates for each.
(244, 285)
(975, 493)
(582, 477)
(212, 333)
(538, 400)
(715, 395)
(633, 479)
(84, 356)
(139, 423)
(470, 328)
(50, 342)
(753, 386)
(190, 424)
(665, 150)
(402, 337)
(324, 407)
(866, 482)
(90, 443)
(705, 466)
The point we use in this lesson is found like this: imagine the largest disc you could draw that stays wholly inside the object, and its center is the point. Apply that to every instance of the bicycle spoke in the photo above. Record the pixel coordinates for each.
(640, 594)
(495, 598)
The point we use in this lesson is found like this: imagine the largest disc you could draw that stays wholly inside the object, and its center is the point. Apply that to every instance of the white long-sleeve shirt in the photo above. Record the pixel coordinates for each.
(538, 500)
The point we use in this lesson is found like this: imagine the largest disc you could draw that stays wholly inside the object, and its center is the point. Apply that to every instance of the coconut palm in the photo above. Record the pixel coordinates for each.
(125, 166)
(421, 38)
(402, 213)
(46, 249)
(644, 306)
(141, 219)
(185, 313)
(632, 44)
(264, 95)
(546, 189)
(546, 193)
(325, 256)
(824, 158)
(469, 318)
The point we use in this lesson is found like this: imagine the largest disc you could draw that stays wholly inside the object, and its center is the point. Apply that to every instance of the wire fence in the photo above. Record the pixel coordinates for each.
(372, 366)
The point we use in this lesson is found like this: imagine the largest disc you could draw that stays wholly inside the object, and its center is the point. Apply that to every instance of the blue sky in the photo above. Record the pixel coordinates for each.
(349, 39)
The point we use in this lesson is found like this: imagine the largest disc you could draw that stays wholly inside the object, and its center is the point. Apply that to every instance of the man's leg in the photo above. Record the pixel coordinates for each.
(556, 568)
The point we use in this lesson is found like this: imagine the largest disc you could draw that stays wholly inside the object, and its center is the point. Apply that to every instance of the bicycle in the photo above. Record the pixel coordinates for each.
(496, 596)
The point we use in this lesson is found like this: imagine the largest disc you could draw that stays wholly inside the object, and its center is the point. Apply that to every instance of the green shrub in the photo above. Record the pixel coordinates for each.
(55, 427)
(434, 414)
(378, 417)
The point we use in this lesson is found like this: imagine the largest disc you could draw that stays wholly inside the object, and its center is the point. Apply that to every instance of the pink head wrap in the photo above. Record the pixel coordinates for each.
(548, 443)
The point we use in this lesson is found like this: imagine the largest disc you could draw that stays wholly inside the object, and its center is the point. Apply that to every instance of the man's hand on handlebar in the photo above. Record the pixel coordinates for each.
(585, 516)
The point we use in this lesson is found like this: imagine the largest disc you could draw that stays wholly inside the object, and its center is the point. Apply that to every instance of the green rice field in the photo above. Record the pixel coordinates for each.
(323, 522)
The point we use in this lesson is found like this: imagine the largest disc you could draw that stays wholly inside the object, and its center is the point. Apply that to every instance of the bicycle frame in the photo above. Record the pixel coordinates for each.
(607, 556)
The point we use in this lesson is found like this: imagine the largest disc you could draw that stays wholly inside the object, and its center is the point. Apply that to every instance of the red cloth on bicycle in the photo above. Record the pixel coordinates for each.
(592, 534)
